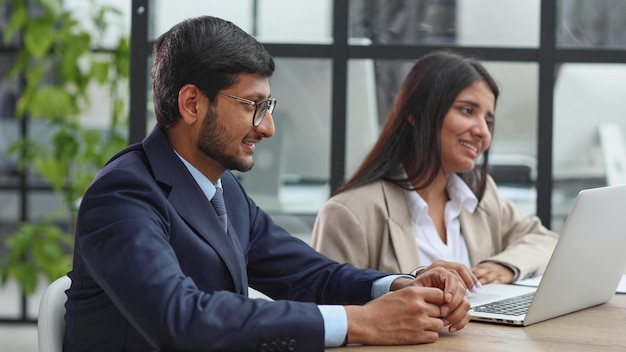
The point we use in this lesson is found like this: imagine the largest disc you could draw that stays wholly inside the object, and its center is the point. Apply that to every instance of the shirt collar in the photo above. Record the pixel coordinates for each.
(205, 184)
(458, 191)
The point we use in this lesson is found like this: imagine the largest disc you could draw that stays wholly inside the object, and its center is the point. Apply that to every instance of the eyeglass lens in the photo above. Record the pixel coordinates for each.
(262, 108)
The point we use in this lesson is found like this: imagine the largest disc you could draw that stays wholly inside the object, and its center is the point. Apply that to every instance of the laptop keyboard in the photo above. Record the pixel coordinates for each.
(510, 306)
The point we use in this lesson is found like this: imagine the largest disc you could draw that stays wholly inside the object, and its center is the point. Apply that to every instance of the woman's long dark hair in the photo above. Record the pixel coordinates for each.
(414, 145)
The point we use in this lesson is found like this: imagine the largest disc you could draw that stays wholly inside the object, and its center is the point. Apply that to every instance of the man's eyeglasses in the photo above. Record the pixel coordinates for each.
(259, 107)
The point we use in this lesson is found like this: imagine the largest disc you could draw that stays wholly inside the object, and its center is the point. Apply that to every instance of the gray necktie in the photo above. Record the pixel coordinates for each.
(220, 208)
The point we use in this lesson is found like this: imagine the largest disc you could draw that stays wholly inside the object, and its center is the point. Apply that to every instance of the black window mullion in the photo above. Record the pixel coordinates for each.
(139, 54)
(547, 49)
(339, 94)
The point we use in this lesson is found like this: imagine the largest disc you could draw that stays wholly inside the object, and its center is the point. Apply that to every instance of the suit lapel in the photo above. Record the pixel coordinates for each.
(197, 211)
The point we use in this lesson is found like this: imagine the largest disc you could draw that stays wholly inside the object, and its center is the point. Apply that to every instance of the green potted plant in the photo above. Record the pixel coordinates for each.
(58, 60)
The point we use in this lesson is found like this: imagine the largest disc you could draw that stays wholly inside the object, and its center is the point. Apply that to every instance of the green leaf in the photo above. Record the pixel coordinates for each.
(38, 38)
(36, 249)
(76, 48)
(26, 275)
(51, 102)
(16, 22)
(36, 75)
(66, 145)
(4, 274)
(100, 71)
(52, 7)
(47, 253)
(122, 57)
(53, 171)
(57, 65)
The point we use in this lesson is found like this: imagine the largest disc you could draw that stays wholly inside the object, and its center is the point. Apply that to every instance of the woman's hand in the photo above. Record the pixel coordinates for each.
(491, 272)
(465, 275)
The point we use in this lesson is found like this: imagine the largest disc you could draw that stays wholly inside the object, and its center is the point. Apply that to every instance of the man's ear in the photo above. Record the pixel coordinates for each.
(190, 99)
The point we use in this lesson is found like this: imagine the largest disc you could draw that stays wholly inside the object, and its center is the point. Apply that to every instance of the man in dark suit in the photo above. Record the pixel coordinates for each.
(158, 265)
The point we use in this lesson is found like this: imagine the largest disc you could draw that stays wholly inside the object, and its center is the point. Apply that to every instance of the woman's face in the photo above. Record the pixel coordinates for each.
(466, 130)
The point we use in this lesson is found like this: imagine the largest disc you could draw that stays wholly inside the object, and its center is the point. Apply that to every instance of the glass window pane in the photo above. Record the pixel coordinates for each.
(45, 205)
(288, 21)
(10, 296)
(513, 157)
(291, 170)
(587, 98)
(500, 23)
(275, 21)
(9, 133)
(151, 115)
(517, 107)
(291, 173)
(9, 216)
(363, 119)
(591, 24)
(9, 124)
(41, 132)
(41, 204)
(495, 23)
(117, 25)
(166, 13)
(403, 22)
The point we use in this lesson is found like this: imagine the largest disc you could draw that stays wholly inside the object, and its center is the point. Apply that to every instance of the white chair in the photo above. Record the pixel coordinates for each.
(51, 320)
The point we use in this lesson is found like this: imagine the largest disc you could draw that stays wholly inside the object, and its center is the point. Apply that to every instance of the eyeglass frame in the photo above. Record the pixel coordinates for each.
(270, 104)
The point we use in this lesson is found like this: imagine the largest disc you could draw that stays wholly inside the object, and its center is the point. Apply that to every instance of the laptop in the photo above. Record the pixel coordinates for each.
(584, 270)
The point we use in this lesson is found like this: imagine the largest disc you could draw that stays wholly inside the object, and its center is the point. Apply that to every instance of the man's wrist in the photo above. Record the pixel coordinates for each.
(401, 282)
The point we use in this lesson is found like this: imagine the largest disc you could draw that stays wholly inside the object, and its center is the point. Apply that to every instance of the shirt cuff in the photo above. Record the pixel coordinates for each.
(382, 285)
(335, 324)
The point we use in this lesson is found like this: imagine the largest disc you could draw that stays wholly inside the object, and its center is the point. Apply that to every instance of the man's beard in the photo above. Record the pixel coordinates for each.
(212, 142)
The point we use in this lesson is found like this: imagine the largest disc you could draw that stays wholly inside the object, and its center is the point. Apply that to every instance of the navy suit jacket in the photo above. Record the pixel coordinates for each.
(154, 270)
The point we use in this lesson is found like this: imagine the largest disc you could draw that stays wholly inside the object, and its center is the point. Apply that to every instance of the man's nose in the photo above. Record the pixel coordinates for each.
(266, 127)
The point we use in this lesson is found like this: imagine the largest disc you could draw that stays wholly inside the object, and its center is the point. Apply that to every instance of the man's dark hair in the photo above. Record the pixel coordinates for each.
(207, 52)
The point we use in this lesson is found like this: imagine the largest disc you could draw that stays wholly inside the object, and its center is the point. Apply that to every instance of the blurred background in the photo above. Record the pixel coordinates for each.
(561, 67)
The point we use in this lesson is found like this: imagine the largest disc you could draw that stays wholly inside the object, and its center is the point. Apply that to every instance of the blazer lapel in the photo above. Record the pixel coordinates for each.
(400, 227)
(197, 211)
(475, 229)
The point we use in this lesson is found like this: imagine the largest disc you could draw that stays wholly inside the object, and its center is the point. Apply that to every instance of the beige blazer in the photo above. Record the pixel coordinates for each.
(370, 227)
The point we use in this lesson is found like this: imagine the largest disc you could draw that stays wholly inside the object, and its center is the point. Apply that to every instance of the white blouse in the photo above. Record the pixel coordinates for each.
(431, 248)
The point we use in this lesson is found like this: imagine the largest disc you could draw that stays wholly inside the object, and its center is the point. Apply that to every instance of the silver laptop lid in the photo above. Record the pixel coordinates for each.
(589, 259)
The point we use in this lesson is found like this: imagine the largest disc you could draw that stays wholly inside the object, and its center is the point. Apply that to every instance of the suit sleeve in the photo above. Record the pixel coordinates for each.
(285, 267)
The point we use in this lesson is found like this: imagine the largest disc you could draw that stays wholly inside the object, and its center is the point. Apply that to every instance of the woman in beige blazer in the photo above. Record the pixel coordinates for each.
(420, 199)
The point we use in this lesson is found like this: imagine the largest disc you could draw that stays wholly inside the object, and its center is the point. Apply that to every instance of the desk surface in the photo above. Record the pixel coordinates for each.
(600, 328)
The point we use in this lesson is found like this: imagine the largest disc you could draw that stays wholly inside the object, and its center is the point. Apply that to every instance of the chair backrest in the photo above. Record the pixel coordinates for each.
(51, 320)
